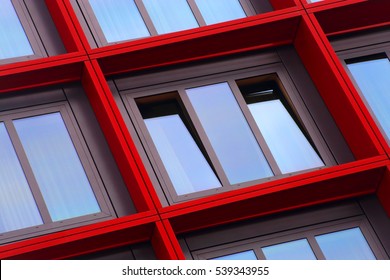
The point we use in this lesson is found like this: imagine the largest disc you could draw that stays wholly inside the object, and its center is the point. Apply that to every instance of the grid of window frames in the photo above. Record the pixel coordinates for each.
(229, 132)
(334, 241)
(46, 178)
(121, 20)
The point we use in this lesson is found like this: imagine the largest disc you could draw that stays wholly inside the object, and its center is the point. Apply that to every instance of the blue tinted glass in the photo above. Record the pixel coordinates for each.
(170, 15)
(347, 244)
(17, 206)
(186, 166)
(247, 255)
(220, 10)
(119, 19)
(290, 148)
(293, 250)
(56, 166)
(229, 133)
(13, 39)
(373, 79)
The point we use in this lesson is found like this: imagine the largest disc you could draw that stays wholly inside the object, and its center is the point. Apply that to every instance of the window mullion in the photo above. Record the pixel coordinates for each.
(216, 165)
(254, 128)
(315, 247)
(24, 162)
(247, 7)
(196, 12)
(147, 19)
(259, 253)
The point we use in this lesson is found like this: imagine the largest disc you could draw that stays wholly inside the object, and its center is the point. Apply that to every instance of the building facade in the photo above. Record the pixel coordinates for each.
(191, 129)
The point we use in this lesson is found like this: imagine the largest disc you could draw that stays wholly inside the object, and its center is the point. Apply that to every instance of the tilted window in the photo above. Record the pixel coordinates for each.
(121, 20)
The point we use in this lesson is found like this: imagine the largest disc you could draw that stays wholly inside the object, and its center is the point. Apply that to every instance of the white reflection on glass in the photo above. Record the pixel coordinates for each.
(119, 19)
(56, 166)
(293, 250)
(220, 10)
(186, 166)
(289, 146)
(13, 39)
(247, 255)
(170, 15)
(17, 206)
(347, 244)
(373, 79)
(229, 133)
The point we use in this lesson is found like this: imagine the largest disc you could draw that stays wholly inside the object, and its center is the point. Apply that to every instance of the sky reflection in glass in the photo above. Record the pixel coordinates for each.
(13, 39)
(17, 205)
(187, 168)
(293, 250)
(220, 10)
(247, 255)
(229, 133)
(347, 244)
(373, 79)
(56, 166)
(170, 15)
(289, 146)
(119, 19)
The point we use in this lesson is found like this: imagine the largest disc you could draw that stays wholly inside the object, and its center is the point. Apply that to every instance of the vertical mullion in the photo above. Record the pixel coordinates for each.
(254, 128)
(246, 5)
(24, 162)
(145, 15)
(195, 10)
(315, 247)
(259, 253)
(216, 165)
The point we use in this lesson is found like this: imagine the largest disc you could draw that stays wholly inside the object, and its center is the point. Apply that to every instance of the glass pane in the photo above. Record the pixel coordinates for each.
(119, 19)
(290, 148)
(220, 10)
(170, 15)
(13, 39)
(17, 205)
(373, 79)
(186, 166)
(247, 255)
(347, 244)
(293, 250)
(229, 133)
(56, 166)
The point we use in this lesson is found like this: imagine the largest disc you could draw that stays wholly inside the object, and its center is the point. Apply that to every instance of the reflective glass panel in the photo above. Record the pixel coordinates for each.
(17, 205)
(229, 133)
(13, 39)
(347, 244)
(247, 255)
(119, 19)
(170, 15)
(289, 146)
(56, 166)
(373, 79)
(187, 168)
(293, 250)
(220, 10)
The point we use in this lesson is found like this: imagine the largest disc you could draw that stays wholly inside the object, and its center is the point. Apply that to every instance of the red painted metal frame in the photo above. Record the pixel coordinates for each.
(296, 23)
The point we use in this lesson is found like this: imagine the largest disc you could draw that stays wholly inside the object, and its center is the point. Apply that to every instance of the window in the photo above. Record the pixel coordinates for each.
(228, 130)
(48, 178)
(115, 21)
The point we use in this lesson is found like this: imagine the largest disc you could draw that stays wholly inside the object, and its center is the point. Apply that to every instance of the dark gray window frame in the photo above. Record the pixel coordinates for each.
(99, 166)
(363, 47)
(84, 10)
(127, 89)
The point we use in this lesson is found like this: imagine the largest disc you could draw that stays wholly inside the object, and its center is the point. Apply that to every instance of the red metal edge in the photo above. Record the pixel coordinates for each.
(281, 196)
(328, 4)
(383, 192)
(349, 16)
(83, 240)
(165, 243)
(42, 72)
(118, 137)
(202, 43)
(354, 93)
(324, 69)
(70, 37)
